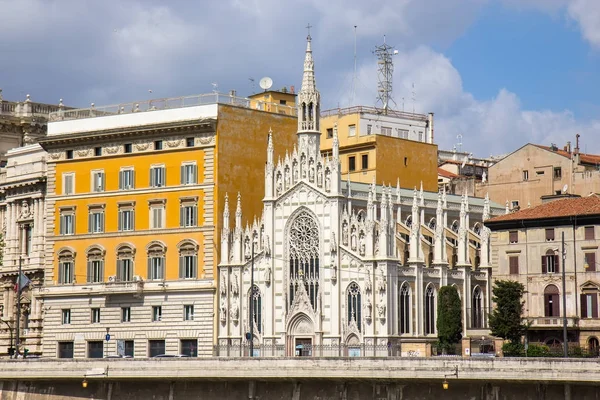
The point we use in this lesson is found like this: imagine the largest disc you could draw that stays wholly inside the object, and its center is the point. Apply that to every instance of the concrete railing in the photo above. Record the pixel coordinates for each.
(496, 369)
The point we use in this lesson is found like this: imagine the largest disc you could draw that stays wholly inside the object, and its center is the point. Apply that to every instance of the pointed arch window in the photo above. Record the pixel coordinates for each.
(404, 309)
(477, 309)
(429, 311)
(95, 265)
(125, 266)
(354, 305)
(256, 304)
(304, 257)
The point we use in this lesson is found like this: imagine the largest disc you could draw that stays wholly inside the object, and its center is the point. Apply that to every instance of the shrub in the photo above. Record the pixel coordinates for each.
(538, 350)
(512, 349)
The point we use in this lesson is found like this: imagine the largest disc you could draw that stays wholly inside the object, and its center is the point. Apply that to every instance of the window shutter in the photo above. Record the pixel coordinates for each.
(60, 272)
(194, 215)
(152, 177)
(150, 269)
(90, 272)
(132, 179)
(195, 174)
(584, 310)
(594, 305)
(162, 268)
(102, 222)
(547, 308)
(195, 269)
(101, 273)
(514, 265)
(119, 270)
(544, 265)
(101, 180)
(556, 263)
(90, 222)
(555, 306)
(181, 267)
(132, 220)
(591, 260)
(182, 216)
(162, 176)
(182, 173)
(121, 179)
(61, 229)
(120, 220)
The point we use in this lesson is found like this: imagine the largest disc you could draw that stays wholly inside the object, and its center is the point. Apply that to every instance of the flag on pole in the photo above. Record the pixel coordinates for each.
(22, 282)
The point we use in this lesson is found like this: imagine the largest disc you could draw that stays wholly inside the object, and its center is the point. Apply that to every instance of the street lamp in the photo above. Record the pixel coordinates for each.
(10, 332)
(564, 296)
(445, 384)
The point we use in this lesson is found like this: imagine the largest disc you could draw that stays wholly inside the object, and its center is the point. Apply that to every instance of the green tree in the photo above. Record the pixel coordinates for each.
(449, 319)
(506, 320)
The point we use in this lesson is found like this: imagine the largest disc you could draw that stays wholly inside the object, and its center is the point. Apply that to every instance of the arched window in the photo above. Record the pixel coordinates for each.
(66, 266)
(477, 309)
(550, 262)
(429, 311)
(454, 226)
(593, 346)
(304, 257)
(156, 260)
(95, 264)
(125, 266)
(551, 302)
(256, 304)
(408, 221)
(404, 309)
(188, 260)
(354, 304)
(432, 224)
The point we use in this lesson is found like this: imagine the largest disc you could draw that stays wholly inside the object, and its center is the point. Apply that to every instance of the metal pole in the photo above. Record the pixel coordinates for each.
(18, 339)
(251, 302)
(564, 295)
(10, 332)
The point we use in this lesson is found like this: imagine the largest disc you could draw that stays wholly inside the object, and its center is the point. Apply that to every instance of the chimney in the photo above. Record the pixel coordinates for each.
(232, 93)
(576, 152)
(292, 89)
(430, 123)
(568, 147)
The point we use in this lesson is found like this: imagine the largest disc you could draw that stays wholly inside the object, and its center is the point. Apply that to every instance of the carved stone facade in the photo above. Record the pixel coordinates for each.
(375, 286)
(23, 190)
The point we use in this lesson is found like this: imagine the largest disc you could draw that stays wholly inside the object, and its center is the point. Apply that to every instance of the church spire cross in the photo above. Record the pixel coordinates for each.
(308, 28)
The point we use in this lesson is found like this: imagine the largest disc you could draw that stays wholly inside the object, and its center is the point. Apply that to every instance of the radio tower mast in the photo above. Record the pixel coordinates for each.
(385, 72)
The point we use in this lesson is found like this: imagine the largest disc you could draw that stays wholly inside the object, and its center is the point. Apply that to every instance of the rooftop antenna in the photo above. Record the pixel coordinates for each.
(215, 86)
(385, 71)
(253, 84)
(459, 144)
(414, 96)
(354, 76)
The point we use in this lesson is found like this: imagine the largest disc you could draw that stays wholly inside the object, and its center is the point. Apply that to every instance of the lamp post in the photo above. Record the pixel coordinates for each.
(251, 303)
(10, 332)
(18, 320)
(564, 298)
(445, 384)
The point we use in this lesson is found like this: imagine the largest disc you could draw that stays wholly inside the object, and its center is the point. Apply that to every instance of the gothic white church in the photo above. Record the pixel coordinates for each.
(343, 268)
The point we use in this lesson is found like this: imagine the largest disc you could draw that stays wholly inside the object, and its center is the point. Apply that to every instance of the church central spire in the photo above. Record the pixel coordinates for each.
(309, 98)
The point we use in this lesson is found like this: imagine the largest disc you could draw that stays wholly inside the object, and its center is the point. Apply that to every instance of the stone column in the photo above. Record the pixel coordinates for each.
(9, 232)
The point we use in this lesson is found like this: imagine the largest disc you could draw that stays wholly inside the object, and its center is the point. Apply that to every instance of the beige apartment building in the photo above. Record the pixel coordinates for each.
(527, 247)
(525, 176)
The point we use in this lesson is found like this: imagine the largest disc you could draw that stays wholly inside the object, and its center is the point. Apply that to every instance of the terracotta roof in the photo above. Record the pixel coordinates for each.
(446, 174)
(555, 209)
(583, 158)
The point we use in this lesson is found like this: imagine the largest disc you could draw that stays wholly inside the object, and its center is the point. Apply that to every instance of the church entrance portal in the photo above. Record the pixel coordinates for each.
(303, 347)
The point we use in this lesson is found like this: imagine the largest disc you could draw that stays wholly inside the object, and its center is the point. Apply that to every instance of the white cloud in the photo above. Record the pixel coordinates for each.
(587, 14)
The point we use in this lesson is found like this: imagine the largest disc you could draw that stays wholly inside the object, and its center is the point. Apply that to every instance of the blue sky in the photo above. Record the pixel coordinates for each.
(499, 72)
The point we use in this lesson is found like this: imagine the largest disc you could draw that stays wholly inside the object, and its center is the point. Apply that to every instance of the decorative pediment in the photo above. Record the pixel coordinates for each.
(589, 286)
(301, 303)
(303, 187)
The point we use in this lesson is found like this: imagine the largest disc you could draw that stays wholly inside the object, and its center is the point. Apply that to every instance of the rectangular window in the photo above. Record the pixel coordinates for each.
(365, 161)
(126, 219)
(557, 173)
(156, 268)
(525, 175)
(65, 272)
(369, 129)
(156, 313)
(69, 154)
(589, 233)
(513, 237)
(125, 270)
(65, 349)
(550, 263)
(420, 136)
(188, 174)
(188, 267)
(329, 133)
(97, 181)
(96, 221)
(157, 176)
(188, 313)
(539, 172)
(95, 273)
(590, 262)
(129, 347)
(68, 183)
(386, 130)
(125, 314)
(97, 151)
(66, 316)
(514, 204)
(127, 148)
(513, 262)
(549, 234)
(158, 145)
(95, 316)
(351, 163)
(157, 216)
(126, 179)
(589, 305)
(188, 214)
(27, 231)
(351, 130)
(156, 348)
(189, 142)
(189, 347)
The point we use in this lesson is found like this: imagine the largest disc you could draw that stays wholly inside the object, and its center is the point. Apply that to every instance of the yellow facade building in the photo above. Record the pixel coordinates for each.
(135, 196)
(382, 148)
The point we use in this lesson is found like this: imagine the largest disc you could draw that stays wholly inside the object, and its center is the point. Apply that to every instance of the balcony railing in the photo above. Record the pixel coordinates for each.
(373, 110)
(169, 103)
(304, 350)
(552, 322)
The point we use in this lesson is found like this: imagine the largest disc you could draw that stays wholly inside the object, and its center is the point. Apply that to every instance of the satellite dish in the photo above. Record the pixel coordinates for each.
(266, 83)
(564, 189)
